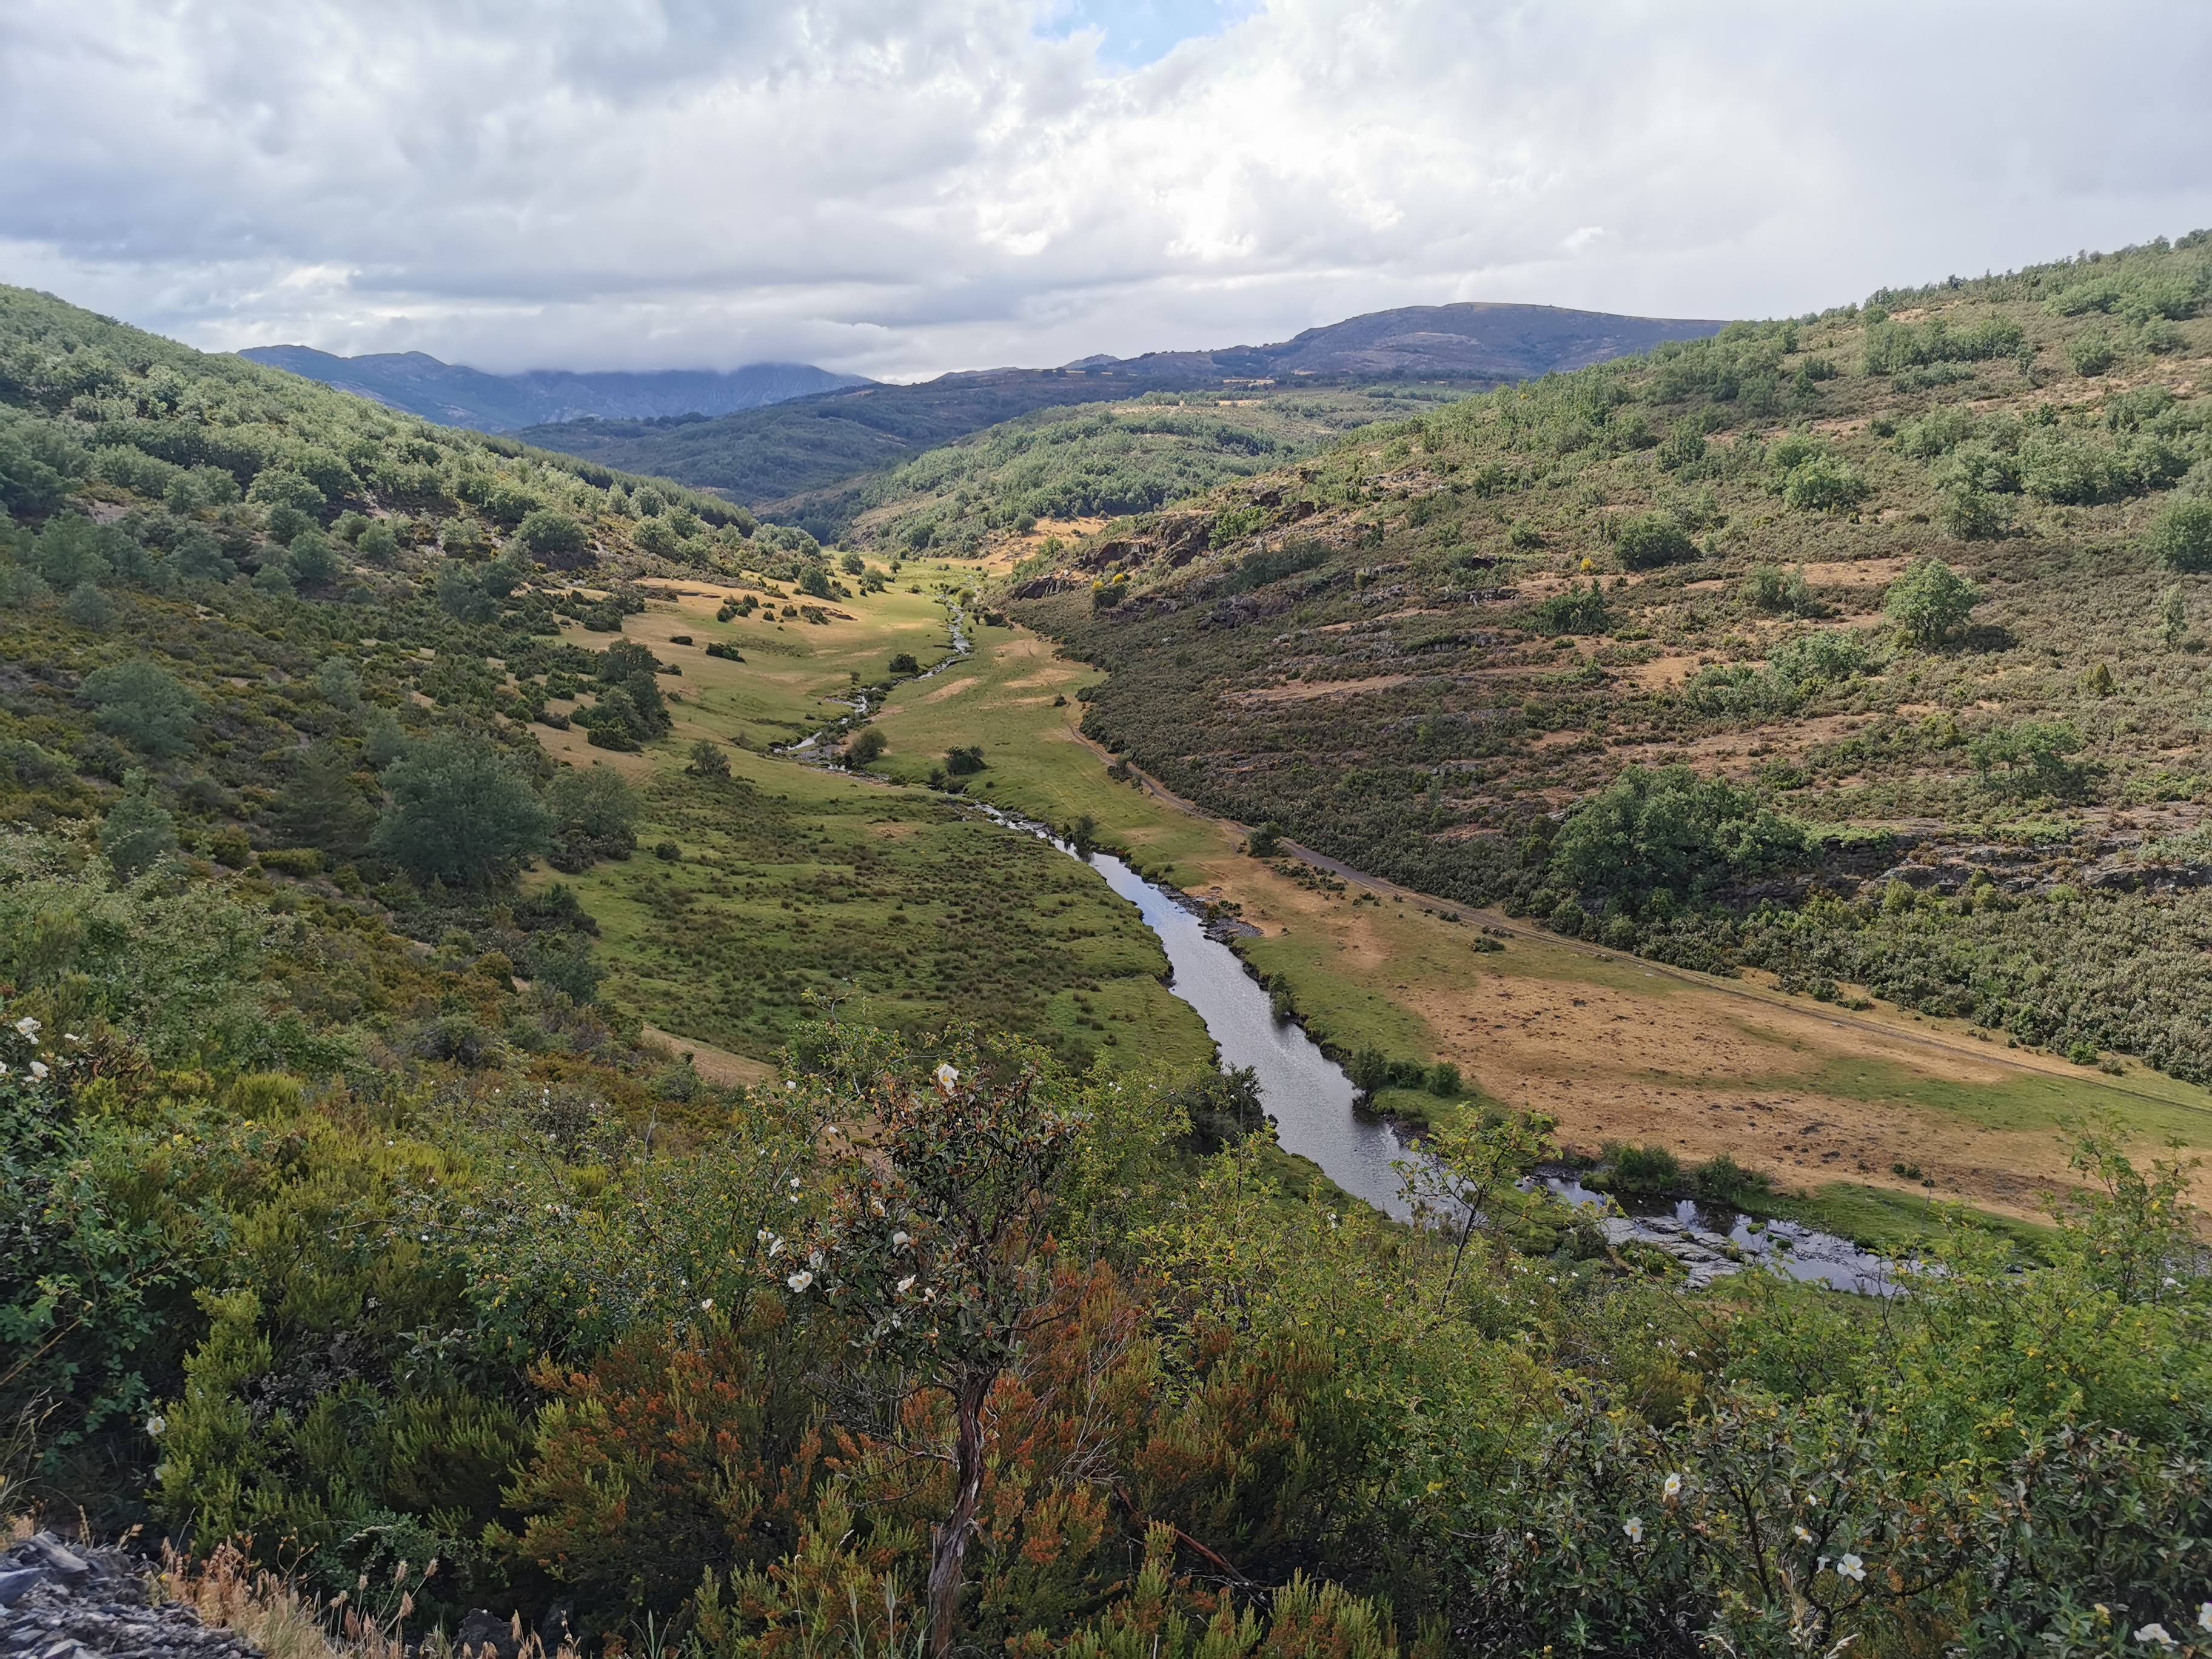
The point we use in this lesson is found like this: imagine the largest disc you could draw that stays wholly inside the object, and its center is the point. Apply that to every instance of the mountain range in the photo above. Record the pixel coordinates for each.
(454, 395)
(766, 455)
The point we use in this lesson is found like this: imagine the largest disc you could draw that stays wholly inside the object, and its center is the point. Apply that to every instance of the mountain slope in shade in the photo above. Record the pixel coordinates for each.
(765, 456)
(453, 395)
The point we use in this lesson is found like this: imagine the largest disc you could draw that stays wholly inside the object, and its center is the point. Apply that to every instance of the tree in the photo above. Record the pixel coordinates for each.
(322, 805)
(460, 812)
(142, 705)
(1669, 830)
(461, 594)
(137, 831)
(313, 560)
(2181, 539)
(1930, 601)
(2174, 616)
(866, 747)
(965, 762)
(814, 582)
(1823, 484)
(905, 664)
(707, 761)
(552, 538)
(595, 814)
(1651, 539)
(937, 1244)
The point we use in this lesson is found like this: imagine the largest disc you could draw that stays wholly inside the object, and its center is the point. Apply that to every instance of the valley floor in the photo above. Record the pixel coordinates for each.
(1871, 1116)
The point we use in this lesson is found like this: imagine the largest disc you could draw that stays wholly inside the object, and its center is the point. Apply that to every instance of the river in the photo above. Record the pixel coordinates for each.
(1315, 1108)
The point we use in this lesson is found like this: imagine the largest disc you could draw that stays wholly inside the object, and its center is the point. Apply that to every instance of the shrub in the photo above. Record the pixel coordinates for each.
(1772, 588)
(965, 762)
(1651, 1170)
(1265, 841)
(1579, 610)
(1930, 601)
(551, 537)
(1651, 539)
(1824, 484)
(2181, 537)
(1972, 516)
(707, 761)
(1443, 1080)
(1831, 653)
(866, 747)
(2031, 759)
(2091, 354)
(904, 664)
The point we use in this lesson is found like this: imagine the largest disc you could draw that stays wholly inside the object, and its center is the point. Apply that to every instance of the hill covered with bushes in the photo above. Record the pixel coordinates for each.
(347, 1224)
(1867, 647)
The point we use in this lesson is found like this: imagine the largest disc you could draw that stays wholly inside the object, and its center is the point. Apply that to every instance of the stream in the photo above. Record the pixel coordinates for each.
(1314, 1105)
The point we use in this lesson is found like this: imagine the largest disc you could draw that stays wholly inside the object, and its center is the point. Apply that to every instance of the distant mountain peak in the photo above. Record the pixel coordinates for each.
(454, 395)
(1481, 339)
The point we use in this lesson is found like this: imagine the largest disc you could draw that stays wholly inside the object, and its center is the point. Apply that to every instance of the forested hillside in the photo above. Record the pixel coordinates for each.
(1095, 460)
(1868, 648)
(353, 1227)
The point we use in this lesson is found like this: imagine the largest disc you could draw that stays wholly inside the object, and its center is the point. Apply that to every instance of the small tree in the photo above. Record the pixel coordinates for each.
(460, 812)
(2181, 539)
(2174, 616)
(1930, 601)
(551, 537)
(1470, 1168)
(938, 1246)
(707, 761)
(1651, 539)
(142, 705)
(322, 806)
(866, 747)
(137, 831)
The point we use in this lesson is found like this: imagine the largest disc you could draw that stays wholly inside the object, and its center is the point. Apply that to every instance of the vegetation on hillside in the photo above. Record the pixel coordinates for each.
(1096, 460)
(351, 1224)
(1916, 578)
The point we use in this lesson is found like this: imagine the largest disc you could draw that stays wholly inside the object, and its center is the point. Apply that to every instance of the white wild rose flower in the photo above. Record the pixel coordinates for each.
(799, 1281)
(947, 1076)
(906, 1285)
(1852, 1568)
(1634, 1528)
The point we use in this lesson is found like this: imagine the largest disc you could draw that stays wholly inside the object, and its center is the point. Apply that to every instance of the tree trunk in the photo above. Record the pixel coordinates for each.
(949, 1542)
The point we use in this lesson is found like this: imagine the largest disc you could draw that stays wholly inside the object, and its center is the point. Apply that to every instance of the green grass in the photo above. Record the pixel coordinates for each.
(2021, 1101)
(1876, 1218)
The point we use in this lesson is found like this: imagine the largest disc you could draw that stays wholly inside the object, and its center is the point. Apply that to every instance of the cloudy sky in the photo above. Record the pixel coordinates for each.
(899, 187)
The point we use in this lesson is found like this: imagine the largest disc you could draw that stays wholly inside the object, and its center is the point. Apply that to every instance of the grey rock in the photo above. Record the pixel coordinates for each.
(15, 1584)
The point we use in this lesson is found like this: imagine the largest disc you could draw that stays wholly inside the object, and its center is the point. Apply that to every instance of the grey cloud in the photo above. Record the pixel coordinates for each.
(900, 188)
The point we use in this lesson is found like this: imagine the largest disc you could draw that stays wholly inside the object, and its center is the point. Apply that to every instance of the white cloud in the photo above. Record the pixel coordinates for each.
(902, 187)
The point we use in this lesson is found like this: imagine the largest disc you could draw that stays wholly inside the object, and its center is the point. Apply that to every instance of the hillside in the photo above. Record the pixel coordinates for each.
(1083, 461)
(1863, 649)
(765, 456)
(496, 1135)
(453, 395)
(1472, 340)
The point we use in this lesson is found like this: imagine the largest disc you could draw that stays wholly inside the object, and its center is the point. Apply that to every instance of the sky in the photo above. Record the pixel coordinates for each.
(902, 187)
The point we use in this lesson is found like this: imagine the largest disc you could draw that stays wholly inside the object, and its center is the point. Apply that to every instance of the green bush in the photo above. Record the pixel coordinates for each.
(552, 537)
(144, 705)
(1643, 1171)
(1651, 539)
(1824, 484)
(1931, 602)
(460, 812)
(1670, 831)
(2180, 538)
(2091, 354)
